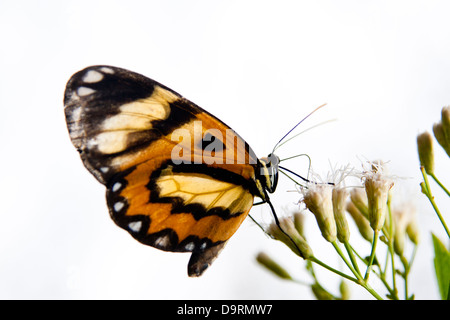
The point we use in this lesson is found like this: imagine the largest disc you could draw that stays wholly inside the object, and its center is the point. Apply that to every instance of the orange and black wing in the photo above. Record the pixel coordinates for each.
(177, 178)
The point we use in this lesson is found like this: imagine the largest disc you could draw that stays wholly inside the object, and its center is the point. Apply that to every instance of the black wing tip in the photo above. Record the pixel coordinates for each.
(201, 260)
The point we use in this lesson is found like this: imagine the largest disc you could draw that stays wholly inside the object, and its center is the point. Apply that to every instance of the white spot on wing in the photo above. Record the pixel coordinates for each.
(135, 226)
(84, 91)
(163, 241)
(92, 76)
(118, 206)
(107, 70)
(116, 186)
(190, 246)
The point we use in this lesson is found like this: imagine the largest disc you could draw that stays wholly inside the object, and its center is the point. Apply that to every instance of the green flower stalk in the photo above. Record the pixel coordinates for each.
(425, 149)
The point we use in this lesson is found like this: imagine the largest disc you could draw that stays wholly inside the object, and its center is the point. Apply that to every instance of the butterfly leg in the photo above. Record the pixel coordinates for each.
(258, 203)
(277, 222)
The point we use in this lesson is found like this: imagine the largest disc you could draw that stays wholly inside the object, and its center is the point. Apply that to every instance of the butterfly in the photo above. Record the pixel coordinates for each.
(177, 178)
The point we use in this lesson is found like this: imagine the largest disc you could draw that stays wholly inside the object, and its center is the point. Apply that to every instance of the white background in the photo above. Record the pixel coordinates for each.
(383, 68)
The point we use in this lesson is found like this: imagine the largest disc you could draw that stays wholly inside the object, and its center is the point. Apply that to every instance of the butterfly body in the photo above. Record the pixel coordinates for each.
(177, 178)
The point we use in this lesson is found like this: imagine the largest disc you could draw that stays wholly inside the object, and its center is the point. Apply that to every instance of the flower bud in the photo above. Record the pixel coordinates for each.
(299, 223)
(288, 227)
(412, 230)
(377, 190)
(425, 148)
(271, 265)
(318, 200)
(439, 134)
(361, 222)
(445, 119)
(339, 197)
(359, 199)
(344, 289)
(400, 222)
(423, 188)
(320, 293)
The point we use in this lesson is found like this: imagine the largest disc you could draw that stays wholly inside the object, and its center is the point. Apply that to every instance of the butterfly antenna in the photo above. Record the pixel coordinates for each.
(276, 146)
(299, 176)
(296, 156)
(302, 132)
(294, 173)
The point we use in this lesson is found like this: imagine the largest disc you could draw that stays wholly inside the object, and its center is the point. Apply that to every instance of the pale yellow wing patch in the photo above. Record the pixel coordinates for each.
(204, 190)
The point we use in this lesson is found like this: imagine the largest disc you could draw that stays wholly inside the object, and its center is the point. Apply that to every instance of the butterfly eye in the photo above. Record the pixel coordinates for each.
(269, 171)
(273, 159)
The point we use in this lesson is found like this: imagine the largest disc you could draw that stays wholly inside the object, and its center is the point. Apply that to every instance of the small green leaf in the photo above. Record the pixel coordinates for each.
(442, 267)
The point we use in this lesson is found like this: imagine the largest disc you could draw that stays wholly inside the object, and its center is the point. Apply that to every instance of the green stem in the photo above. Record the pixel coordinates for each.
(391, 251)
(352, 256)
(431, 199)
(349, 265)
(405, 274)
(372, 254)
(440, 184)
(407, 266)
(372, 292)
(314, 259)
(388, 287)
(381, 276)
(363, 284)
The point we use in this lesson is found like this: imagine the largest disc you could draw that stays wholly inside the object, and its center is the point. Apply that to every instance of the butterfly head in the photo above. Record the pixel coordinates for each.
(269, 172)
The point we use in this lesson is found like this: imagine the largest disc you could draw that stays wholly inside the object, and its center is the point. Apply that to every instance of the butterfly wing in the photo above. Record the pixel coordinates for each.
(166, 185)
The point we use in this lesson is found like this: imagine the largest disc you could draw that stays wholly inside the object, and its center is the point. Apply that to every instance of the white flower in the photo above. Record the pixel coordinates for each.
(405, 223)
(317, 199)
(326, 200)
(288, 234)
(377, 184)
(339, 197)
